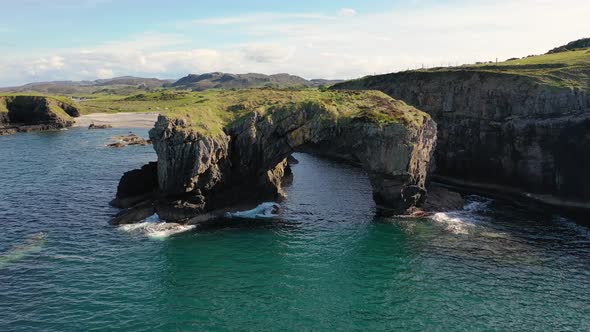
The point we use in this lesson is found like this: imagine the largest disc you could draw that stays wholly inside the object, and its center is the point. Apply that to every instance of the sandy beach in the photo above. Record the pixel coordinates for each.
(118, 120)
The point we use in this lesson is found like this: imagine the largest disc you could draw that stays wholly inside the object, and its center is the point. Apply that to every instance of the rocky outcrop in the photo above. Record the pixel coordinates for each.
(137, 186)
(503, 129)
(4, 119)
(5, 128)
(31, 113)
(93, 126)
(130, 139)
(247, 162)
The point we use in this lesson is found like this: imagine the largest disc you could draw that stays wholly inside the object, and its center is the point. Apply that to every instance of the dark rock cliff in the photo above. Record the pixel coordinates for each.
(502, 129)
(4, 119)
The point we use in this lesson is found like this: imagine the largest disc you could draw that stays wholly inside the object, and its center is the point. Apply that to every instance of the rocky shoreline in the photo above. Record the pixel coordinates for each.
(544, 203)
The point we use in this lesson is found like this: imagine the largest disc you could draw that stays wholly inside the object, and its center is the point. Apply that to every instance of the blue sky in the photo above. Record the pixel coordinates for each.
(87, 39)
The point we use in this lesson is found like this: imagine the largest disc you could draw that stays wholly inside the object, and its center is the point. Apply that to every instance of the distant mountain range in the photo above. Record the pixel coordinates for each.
(251, 80)
(117, 85)
(129, 84)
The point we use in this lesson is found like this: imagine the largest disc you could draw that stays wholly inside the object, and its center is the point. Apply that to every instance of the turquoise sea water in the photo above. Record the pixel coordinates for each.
(328, 264)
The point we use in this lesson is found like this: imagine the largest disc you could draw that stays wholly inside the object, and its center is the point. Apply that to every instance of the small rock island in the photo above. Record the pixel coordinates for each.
(233, 147)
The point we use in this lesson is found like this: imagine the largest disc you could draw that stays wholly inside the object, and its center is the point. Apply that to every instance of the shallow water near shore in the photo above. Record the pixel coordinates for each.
(328, 262)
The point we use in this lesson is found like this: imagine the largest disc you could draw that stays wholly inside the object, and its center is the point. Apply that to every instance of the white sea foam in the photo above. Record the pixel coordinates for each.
(263, 211)
(461, 221)
(477, 204)
(134, 227)
(154, 228)
(452, 222)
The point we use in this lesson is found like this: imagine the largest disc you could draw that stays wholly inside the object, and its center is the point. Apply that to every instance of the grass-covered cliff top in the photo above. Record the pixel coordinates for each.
(562, 69)
(3, 107)
(210, 111)
(566, 69)
(55, 104)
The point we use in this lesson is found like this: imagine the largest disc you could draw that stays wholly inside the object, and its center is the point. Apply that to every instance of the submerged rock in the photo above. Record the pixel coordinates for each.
(120, 141)
(100, 126)
(31, 246)
(134, 214)
(441, 199)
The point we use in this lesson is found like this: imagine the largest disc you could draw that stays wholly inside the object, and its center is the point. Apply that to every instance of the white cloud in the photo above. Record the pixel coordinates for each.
(104, 73)
(315, 45)
(258, 18)
(347, 12)
(267, 53)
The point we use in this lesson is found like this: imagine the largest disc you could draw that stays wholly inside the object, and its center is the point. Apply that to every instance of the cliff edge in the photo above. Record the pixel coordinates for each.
(518, 127)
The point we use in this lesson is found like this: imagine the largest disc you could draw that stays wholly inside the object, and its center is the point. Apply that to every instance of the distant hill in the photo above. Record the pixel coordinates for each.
(117, 85)
(131, 80)
(571, 46)
(128, 85)
(219, 80)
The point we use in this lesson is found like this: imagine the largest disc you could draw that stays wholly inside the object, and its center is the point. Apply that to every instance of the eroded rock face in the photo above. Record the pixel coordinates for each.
(502, 129)
(4, 118)
(188, 162)
(136, 186)
(248, 162)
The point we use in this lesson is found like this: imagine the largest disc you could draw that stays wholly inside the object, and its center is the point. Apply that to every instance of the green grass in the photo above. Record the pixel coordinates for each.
(3, 108)
(55, 108)
(64, 99)
(208, 112)
(569, 58)
(568, 69)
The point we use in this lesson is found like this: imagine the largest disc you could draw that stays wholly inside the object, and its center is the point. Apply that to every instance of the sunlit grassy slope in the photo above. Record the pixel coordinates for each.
(563, 69)
(210, 111)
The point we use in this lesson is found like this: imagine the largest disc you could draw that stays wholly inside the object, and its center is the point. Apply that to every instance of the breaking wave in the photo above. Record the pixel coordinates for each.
(155, 228)
(266, 210)
(461, 221)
